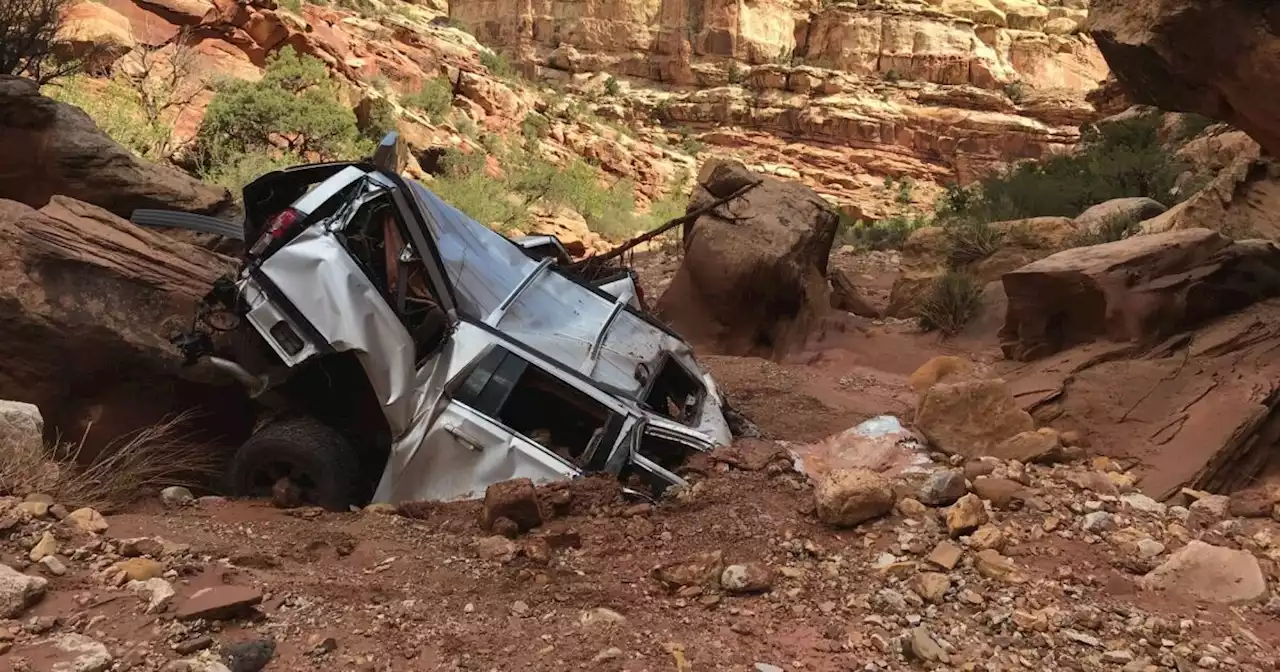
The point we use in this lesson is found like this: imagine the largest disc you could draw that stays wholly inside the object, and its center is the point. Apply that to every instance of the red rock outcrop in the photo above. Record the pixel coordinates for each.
(838, 95)
(1215, 58)
(1141, 289)
(87, 303)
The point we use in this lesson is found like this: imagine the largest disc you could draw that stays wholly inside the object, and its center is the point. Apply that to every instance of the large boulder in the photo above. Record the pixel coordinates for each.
(753, 280)
(1129, 210)
(1138, 289)
(87, 303)
(973, 418)
(54, 148)
(95, 33)
(1214, 58)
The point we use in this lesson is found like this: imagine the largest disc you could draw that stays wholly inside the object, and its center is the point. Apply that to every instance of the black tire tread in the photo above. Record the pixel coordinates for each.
(310, 440)
(173, 219)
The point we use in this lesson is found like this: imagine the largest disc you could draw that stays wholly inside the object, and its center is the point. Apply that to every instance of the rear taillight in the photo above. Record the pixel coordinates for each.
(276, 228)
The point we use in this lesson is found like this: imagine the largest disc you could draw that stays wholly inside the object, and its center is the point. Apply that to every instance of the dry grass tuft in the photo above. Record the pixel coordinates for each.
(154, 457)
(954, 299)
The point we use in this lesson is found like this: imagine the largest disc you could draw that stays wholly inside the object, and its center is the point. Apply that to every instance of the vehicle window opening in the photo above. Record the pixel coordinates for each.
(674, 393)
(666, 453)
(536, 404)
(375, 236)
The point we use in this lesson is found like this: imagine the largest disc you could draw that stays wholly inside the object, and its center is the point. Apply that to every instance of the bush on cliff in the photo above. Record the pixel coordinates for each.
(295, 110)
(1115, 160)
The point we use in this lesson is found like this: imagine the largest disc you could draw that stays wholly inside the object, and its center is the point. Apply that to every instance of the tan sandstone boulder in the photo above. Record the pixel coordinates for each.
(753, 277)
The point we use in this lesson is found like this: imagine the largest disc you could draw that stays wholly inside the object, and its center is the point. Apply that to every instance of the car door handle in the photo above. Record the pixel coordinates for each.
(465, 440)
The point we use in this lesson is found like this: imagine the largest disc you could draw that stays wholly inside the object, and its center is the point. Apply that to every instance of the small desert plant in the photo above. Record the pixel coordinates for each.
(890, 233)
(969, 241)
(434, 98)
(534, 126)
(154, 457)
(952, 300)
(611, 86)
(1016, 90)
(498, 65)
(1109, 230)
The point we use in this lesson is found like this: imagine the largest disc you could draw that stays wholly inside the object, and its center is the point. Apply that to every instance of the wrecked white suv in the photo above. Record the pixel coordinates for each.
(407, 352)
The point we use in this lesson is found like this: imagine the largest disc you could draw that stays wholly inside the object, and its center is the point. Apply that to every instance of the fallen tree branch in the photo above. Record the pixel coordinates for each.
(665, 227)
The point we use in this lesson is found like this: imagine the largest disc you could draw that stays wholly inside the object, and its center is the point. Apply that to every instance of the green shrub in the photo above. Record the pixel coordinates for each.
(889, 233)
(294, 108)
(535, 126)
(951, 302)
(434, 98)
(498, 65)
(117, 111)
(241, 169)
(611, 86)
(892, 75)
(970, 241)
(1116, 160)
(294, 6)
(1191, 124)
(1017, 91)
(382, 118)
(736, 73)
(530, 180)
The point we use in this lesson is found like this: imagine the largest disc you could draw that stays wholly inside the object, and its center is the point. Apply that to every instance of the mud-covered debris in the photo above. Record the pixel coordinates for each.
(516, 500)
(702, 569)
(249, 656)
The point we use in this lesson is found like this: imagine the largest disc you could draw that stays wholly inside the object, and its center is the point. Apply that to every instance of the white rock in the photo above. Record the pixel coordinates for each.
(1140, 502)
(1216, 506)
(1150, 548)
(53, 565)
(86, 654)
(1098, 521)
(176, 496)
(158, 593)
(18, 591)
(21, 426)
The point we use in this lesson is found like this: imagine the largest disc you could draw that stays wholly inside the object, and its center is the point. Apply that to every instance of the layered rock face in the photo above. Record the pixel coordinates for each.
(839, 95)
(1216, 58)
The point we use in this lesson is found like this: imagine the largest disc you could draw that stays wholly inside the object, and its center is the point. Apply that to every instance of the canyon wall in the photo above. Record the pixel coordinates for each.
(842, 94)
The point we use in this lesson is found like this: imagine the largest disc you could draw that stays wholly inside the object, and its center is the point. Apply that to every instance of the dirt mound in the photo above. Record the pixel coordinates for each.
(754, 277)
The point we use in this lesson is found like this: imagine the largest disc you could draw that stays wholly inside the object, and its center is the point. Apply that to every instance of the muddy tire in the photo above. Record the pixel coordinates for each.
(315, 457)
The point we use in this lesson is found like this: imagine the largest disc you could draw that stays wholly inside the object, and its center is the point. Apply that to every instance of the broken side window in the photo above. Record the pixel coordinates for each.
(539, 405)
(375, 236)
(674, 393)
